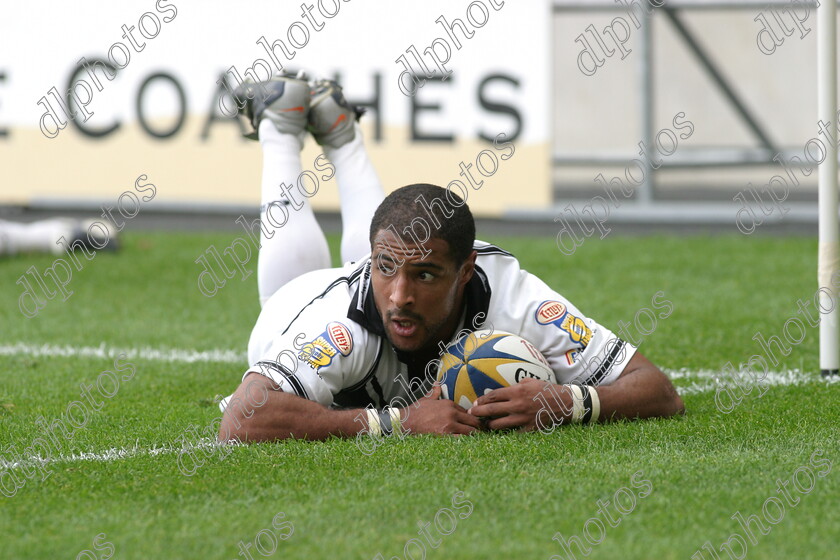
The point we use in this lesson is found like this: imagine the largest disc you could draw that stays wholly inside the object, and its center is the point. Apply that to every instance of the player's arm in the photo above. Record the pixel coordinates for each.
(260, 411)
(641, 391)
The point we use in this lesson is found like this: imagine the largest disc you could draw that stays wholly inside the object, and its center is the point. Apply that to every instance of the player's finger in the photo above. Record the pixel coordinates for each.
(490, 410)
(468, 419)
(496, 395)
(507, 422)
(434, 392)
(464, 430)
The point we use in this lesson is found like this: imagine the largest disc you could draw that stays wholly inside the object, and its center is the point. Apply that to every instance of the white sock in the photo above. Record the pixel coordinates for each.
(297, 245)
(37, 237)
(360, 192)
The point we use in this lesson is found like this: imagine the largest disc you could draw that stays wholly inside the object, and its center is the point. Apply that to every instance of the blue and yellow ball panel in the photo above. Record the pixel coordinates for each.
(482, 361)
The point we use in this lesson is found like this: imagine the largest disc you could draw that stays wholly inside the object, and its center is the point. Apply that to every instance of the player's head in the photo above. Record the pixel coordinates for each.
(422, 251)
(420, 212)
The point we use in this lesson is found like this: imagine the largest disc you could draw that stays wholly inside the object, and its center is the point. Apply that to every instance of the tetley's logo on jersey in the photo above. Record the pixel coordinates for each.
(550, 312)
(333, 341)
(553, 312)
(340, 337)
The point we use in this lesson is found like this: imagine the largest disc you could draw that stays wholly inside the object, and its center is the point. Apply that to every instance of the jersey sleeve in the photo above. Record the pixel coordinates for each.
(314, 351)
(578, 349)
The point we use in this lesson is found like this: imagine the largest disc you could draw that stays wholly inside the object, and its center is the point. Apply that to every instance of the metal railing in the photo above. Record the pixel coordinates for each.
(767, 148)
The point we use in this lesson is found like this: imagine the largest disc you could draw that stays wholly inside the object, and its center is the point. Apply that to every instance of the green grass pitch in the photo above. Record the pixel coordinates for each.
(633, 490)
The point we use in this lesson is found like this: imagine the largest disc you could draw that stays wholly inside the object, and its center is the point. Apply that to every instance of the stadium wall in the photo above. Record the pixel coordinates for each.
(160, 114)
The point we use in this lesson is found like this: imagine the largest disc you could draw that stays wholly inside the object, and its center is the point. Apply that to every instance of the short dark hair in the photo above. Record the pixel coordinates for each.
(449, 217)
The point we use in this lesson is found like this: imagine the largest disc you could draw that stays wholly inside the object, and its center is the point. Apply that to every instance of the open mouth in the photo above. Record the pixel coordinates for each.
(404, 327)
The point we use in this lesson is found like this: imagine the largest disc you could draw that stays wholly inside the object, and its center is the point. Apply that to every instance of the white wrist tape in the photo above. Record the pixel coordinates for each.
(374, 427)
(577, 403)
(396, 419)
(586, 405)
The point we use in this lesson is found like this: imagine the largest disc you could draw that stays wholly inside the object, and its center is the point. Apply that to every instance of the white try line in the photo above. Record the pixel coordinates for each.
(172, 355)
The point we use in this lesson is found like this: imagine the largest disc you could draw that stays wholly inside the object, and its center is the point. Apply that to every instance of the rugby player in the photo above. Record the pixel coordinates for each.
(352, 350)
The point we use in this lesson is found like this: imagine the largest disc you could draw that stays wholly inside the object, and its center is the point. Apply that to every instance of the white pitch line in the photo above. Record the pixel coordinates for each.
(704, 381)
(102, 351)
(111, 454)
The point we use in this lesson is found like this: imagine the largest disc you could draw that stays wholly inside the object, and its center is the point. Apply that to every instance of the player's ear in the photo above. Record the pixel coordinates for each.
(468, 268)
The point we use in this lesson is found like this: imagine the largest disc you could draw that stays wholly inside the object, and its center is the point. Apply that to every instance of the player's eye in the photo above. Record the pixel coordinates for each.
(426, 276)
(386, 267)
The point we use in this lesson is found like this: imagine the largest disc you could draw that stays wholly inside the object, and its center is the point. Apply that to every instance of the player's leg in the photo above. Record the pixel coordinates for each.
(54, 235)
(37, 237)
(332, 122)
(296, 244)
(292, 242)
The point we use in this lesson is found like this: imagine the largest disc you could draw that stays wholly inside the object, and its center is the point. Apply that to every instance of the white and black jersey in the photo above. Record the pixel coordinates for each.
(321, 337)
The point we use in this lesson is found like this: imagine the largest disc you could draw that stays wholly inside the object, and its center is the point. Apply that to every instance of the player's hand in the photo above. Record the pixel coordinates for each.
(529, 405)
(433, 415)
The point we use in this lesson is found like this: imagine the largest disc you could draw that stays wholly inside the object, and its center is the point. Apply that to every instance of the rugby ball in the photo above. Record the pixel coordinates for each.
(484, 360)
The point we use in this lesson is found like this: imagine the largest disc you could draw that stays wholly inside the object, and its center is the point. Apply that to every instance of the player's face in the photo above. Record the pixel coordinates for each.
(419, 298)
